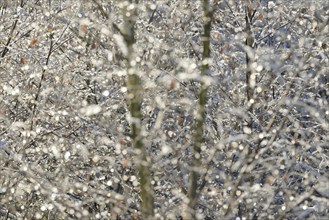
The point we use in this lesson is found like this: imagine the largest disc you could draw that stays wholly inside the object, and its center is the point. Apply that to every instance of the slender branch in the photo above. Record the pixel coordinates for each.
(6, 214)
(230, 8)
(152, 15)
(249, 43)
(41, 81)
(100, 8)
(250, 81)
(6, 49)
(194, 189)
(135, 103)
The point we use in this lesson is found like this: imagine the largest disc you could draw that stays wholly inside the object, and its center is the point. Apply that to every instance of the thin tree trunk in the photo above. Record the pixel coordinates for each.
(135, 100)
(193, 189)
(250, 84)
(250, 75)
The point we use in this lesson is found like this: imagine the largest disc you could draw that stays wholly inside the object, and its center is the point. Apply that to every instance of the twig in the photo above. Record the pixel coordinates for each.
(41, 81)
(4, 212)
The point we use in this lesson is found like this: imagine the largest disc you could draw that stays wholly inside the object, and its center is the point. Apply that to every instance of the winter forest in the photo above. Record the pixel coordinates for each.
(167, 109)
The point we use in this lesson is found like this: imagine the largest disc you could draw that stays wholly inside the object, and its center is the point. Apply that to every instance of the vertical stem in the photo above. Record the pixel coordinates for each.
(193, 190)
(42, 79)
(249, 60)
(134, 96)
(249, 43)
(6, 48)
